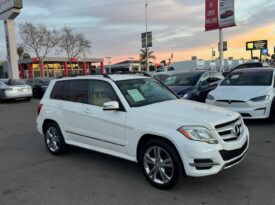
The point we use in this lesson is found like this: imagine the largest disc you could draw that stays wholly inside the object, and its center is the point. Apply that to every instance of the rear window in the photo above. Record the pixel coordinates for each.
(14, 82)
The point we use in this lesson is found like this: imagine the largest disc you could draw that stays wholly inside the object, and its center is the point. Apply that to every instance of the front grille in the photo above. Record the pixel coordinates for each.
(231, 101)
(228, 155)
(231, 131)
(234, 161)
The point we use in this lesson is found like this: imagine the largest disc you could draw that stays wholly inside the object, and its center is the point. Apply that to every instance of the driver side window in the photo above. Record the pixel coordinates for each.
(101, 92)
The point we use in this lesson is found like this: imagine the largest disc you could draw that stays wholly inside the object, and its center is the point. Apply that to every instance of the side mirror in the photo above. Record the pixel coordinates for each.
(113, 105)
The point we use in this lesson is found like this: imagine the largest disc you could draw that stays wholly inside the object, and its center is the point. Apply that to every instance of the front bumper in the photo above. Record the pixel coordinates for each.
(248, 110)
(202, 159)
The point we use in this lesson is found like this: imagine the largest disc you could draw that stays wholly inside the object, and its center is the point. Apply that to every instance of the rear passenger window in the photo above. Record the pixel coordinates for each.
(77, 91)
(58, 90)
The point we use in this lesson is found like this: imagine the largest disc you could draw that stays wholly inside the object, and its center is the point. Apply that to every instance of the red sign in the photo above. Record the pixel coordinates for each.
(211, 15)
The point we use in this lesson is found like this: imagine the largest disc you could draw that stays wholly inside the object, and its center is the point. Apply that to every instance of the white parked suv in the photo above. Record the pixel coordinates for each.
(137, 118)
(250, 92)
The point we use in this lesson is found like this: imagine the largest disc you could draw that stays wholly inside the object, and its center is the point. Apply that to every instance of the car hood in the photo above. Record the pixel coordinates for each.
(181, 89)
(241, 93)
(185, 113)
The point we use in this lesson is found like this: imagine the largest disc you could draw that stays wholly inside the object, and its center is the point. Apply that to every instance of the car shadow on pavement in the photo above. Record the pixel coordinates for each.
(3, 102)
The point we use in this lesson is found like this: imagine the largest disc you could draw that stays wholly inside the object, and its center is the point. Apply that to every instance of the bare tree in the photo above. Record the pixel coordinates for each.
(38, 39)
(72, 43)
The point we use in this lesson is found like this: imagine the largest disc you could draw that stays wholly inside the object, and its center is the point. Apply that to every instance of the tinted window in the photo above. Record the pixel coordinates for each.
(183, 79)
(141, 92)
(58, 90)
(77, 91)
(255, 78)
(102, 92)
(15, 82)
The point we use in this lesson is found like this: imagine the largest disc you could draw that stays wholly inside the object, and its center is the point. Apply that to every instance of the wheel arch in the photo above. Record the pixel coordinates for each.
(46, 122)
(147, 137)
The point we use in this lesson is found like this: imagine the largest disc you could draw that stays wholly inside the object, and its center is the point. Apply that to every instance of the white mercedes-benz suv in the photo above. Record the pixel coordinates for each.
(137, 118)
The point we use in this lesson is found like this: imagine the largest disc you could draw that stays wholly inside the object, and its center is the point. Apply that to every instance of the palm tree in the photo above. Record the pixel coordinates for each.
(20, 51)
(143, 55)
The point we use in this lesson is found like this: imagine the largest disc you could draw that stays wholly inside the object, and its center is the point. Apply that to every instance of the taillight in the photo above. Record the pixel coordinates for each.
(39, 108)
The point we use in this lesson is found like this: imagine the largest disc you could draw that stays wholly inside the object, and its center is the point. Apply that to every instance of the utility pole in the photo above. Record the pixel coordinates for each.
(109, 63)
(221, 50)
(146, 49)
(131, 66)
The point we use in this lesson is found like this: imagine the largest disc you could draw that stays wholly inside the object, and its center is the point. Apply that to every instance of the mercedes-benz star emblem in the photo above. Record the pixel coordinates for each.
(237, 130)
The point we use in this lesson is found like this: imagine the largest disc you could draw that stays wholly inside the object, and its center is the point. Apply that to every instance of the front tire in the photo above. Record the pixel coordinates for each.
(161, 164)
(54, 139)
(271, 118)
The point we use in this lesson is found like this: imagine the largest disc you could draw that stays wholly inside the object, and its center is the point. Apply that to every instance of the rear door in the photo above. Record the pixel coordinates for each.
(73, 107)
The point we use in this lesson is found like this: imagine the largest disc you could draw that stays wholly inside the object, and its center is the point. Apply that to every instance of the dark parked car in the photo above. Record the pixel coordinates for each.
(39, 86)
(247, 65)
(192, 85)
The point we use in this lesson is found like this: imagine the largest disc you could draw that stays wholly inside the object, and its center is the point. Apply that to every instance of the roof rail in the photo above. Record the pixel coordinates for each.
(133, 73)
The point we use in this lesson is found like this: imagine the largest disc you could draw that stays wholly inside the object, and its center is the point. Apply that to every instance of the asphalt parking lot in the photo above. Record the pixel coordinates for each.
(30, 175)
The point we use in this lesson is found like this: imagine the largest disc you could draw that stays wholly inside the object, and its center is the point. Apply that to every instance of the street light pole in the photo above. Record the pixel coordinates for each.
(109, 63)
(131, 66)
(146, 49)
(221, 50)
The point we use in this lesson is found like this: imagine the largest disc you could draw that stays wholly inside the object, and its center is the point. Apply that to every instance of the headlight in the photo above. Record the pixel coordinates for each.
(198, 134)
(261, 98)
(210, 97)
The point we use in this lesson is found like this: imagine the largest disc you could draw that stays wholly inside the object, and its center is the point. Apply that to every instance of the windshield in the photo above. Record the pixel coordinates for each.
(141, 92)
(255, 78)
(183, 79)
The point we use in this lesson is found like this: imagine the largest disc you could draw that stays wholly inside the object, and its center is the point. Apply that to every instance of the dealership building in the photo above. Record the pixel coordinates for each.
(55, 67)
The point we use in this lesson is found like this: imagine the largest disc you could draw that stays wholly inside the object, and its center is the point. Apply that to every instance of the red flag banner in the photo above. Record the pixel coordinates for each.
(211, 15)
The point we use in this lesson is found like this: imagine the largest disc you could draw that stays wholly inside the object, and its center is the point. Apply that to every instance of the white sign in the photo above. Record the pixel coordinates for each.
(226, 13)
(6, 5)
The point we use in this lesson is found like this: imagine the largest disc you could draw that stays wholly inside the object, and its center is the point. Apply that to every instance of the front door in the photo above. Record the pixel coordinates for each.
(105, 129)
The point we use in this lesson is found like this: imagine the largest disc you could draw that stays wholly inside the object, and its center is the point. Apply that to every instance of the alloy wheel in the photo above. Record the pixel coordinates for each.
(158, 165)
(53, 139)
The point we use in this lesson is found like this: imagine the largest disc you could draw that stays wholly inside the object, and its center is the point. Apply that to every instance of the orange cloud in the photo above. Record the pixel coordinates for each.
(236, 46)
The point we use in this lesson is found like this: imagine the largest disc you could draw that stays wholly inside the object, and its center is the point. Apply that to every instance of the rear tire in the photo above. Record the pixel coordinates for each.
(160, 163)
(54, 139)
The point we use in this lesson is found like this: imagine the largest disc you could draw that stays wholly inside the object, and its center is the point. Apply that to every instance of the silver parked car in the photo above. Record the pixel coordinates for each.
(14, 89)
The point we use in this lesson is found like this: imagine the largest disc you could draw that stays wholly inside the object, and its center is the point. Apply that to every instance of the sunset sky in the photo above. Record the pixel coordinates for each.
(115, 26)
